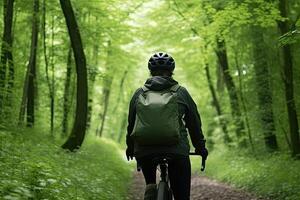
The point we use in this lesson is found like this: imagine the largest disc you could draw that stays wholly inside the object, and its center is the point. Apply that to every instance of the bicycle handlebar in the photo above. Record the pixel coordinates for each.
(202, 162)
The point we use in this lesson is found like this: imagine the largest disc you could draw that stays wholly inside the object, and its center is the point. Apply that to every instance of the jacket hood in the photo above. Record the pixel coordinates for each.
(160, 82)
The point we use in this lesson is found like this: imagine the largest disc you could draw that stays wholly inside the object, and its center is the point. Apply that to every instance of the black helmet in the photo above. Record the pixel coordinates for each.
(161, 61)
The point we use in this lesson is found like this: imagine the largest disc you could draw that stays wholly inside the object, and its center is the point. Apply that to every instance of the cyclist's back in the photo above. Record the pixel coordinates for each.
(161, 66)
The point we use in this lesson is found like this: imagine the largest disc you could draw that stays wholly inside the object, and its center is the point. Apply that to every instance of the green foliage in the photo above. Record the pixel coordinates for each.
(272, 175)
(34, 167)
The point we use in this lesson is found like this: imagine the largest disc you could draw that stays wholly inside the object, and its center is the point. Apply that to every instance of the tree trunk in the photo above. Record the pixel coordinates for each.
(106, 94)
(78, 132)
(32, 65)
(106, 90)
(123, 127)
(289, 83)
(11, 77)
(263, 88)
(24, 98)
(10, 60)
(233, 97)
(6, 50)
(67, 94)
(51, 95)
(243, 101)
(52, 82)
(92, 79)
(121, 92)
(217, 106)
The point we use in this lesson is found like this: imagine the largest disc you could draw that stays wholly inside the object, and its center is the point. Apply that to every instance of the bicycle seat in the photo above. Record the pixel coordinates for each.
(161, 159)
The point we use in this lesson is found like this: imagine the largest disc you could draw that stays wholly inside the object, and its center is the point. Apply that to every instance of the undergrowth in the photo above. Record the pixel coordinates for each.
(33, 166)
(276, 176)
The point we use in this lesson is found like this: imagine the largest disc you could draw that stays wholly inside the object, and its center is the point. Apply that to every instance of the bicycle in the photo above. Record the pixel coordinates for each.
(164, 191)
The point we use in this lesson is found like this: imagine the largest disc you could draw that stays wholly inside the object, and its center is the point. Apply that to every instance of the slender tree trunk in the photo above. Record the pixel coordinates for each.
(220, 80)
(119, 99)
(289, 82)
(52, 82)
(24, 98)
(92, 76)
(106, 94)
(106, 91)
(78, 132)
(90, 107)
(123, 127)
(6, 57)
(92, 79)
(217, 106)
(243, 101)
(11, 78)
(10, 60)
(262, 76)
(67, 94)
(15, 19)
(120, 95)
(285, 134)
(232, 91)
(50, 87)
(32, 65)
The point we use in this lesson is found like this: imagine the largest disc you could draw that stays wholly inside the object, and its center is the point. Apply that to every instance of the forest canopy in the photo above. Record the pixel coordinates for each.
(238, 58)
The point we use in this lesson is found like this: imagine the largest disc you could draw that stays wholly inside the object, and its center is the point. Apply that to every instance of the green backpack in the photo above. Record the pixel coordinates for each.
(157, 117)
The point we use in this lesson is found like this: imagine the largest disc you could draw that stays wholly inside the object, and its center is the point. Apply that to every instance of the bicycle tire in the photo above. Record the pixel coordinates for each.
(163, 191)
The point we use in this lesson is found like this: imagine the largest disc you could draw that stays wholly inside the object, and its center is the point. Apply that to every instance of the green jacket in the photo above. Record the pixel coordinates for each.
(190, 123)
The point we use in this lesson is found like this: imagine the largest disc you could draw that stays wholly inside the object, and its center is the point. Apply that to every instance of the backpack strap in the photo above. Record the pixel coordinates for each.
(174, 88)
(145, 89)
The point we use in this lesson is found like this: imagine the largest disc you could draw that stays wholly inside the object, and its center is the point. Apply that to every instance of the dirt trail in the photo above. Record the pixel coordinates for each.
(203, 188)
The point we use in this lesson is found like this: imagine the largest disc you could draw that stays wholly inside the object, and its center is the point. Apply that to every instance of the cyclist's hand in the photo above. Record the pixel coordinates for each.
(129, 154)
(202, 152)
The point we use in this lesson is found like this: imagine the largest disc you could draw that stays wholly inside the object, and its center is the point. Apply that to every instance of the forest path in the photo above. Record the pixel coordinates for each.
(203, 188)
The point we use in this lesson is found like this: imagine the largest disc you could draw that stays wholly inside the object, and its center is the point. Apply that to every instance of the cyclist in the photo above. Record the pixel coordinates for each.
(161, 66)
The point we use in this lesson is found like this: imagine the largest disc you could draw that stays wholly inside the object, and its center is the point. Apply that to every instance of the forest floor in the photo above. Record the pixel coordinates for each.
(203, 188)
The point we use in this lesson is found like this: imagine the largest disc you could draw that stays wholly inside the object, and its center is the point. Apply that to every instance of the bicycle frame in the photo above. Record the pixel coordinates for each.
(163, 189)
(163, 170)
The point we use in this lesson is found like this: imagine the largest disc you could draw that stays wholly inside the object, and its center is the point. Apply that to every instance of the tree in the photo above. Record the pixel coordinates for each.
(6, 50)
(263, 88)
(106, 90)
(49, 83)
(289, 81)
(30, 78)
(232, 91)
(243, 101)
(215, 101)
(122, 127)
(78, 132)
(217, 106)
(92, 79)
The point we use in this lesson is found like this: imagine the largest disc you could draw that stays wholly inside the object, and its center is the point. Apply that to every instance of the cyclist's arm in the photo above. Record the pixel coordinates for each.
(193, 121)
(131, 119)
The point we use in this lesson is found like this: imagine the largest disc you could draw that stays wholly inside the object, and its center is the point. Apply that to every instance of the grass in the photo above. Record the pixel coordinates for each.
(272, 175)
(33, 166)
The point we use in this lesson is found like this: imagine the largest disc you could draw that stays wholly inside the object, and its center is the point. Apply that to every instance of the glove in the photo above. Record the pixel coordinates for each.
(202, 152)
(129, 153)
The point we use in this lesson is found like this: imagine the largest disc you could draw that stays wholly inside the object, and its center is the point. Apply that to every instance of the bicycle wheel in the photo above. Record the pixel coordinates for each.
(163, 191)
